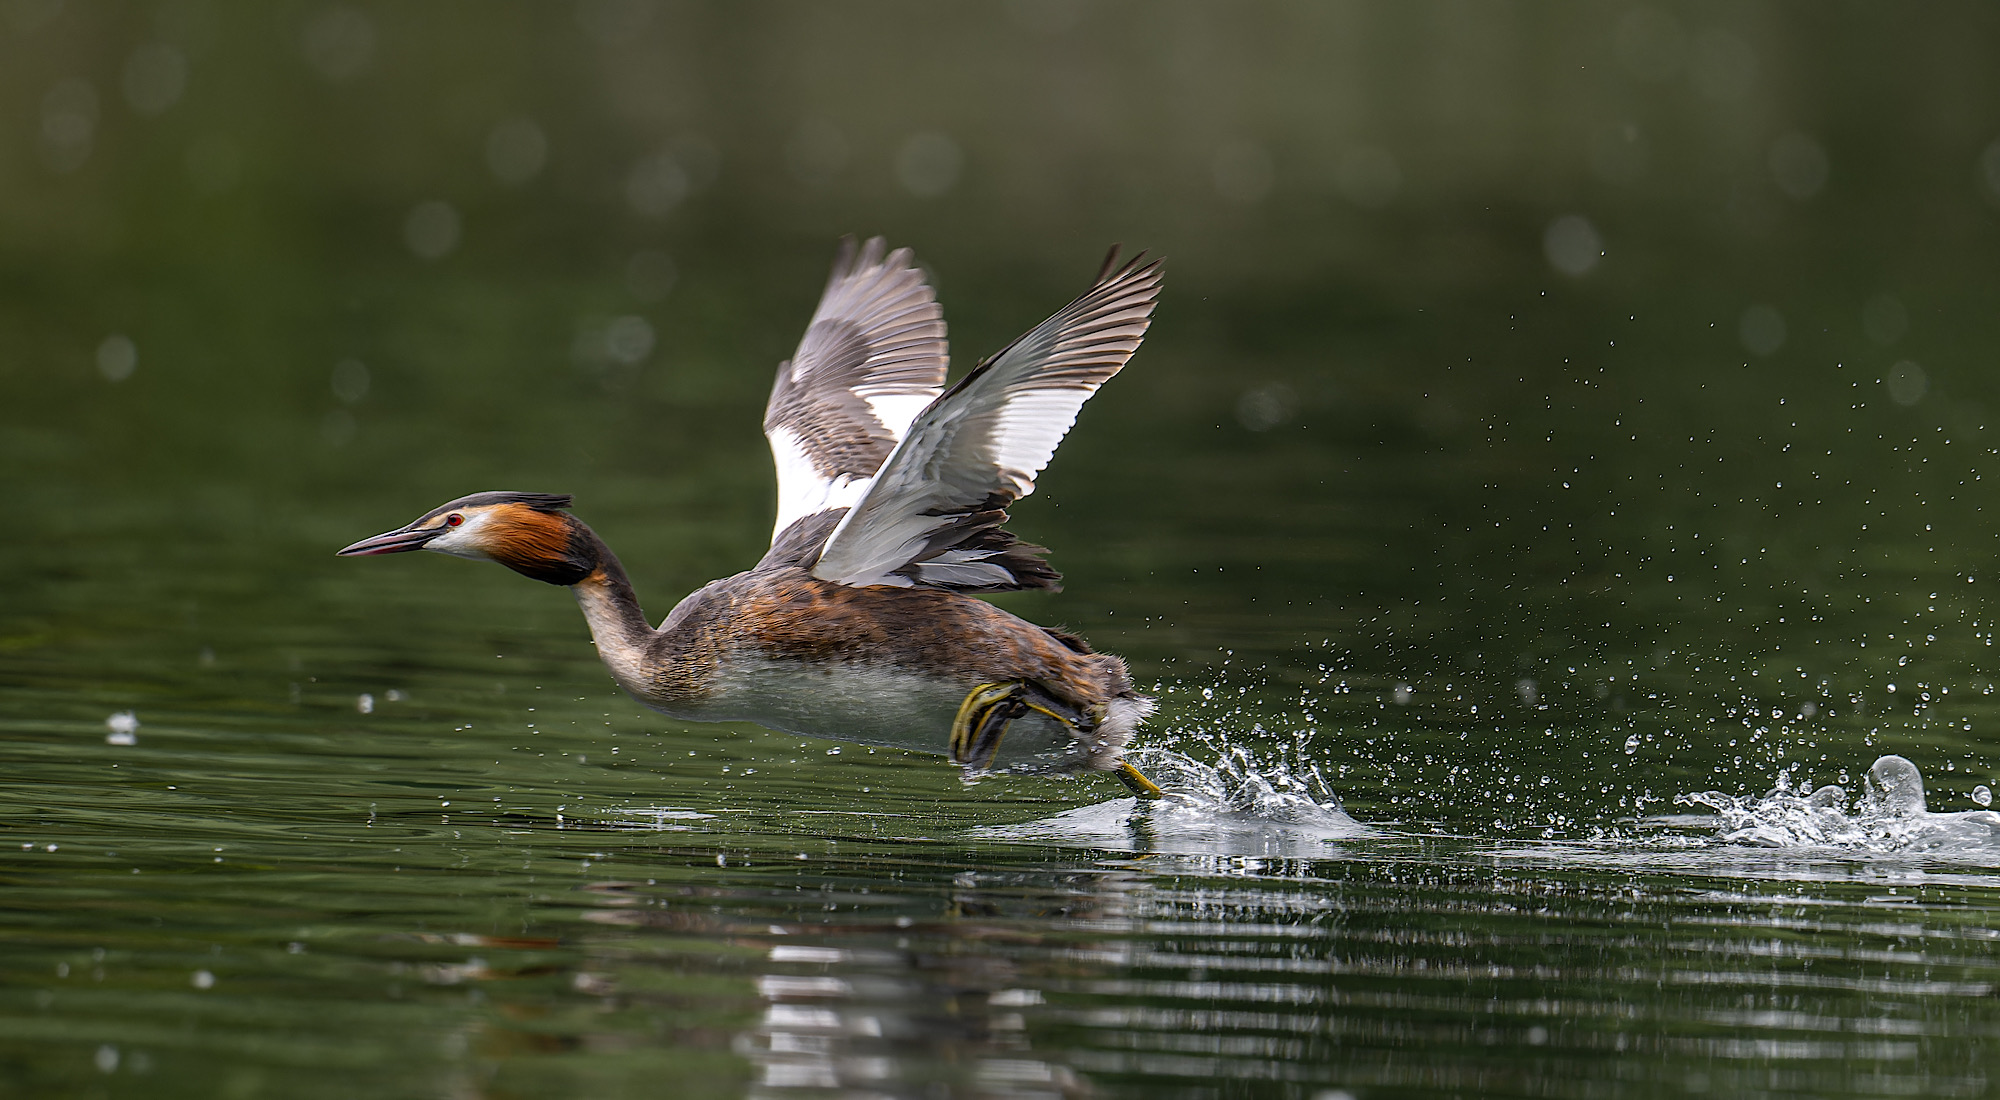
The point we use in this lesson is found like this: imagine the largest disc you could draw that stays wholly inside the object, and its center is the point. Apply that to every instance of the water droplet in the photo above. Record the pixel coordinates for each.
(1983, 795)
(124, 727)
(1896, 785)
(1632, 745)
(203, 980)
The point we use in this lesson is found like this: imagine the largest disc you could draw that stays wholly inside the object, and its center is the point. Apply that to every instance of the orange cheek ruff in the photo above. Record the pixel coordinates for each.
(536, 544)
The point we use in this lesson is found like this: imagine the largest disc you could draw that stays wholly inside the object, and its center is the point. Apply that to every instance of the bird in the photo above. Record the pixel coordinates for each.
(863, 622)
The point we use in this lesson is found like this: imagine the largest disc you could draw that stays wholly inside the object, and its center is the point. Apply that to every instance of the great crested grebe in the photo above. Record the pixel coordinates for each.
(892, 496)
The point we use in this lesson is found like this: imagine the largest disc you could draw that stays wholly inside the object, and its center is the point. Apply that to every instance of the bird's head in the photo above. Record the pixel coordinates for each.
(529, 533)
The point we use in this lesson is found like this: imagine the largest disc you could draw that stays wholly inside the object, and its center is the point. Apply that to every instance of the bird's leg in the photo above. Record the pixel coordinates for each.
(982, 721)
(1137, 783)
(990, 709)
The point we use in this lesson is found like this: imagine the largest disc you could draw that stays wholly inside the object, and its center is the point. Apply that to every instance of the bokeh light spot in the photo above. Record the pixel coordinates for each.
(657, 185)
(1572, 244)
(69, 124)
(1761, 329)
(1723, 67)
(117, 357)
(928, 164)
(516, 150)
(1989, 169)
(1798, 165)
(432, 229)
(350, 381)
(1907, 383)
(339, 43)
(154, 78)
(628, 339)
(1266, 407)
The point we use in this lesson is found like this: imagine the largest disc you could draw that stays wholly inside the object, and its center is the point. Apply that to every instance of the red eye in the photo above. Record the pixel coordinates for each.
(453, 520)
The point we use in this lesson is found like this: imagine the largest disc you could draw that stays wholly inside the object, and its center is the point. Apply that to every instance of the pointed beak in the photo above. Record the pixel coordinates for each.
(393, 542)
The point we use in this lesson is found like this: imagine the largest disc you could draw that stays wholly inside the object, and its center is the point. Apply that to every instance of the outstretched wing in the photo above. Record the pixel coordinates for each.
(873, 356)
(933, 516)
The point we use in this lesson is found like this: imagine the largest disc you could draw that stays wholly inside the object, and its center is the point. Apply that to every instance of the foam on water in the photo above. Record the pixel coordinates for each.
(1890, 817)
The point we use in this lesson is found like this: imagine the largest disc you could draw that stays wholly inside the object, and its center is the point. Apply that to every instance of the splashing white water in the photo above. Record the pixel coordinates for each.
(1244, 805)
(1890, 817)
(1283, 788)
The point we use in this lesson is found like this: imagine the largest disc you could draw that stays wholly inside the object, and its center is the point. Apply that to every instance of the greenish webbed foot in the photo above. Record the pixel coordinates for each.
(989, 709)
(1137, 783)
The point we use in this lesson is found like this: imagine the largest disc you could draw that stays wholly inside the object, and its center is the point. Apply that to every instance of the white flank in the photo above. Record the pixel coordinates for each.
(899, 710)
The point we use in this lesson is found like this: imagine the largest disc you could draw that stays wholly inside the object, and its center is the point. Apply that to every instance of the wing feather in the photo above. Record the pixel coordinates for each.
(873, 355)
(934, 515)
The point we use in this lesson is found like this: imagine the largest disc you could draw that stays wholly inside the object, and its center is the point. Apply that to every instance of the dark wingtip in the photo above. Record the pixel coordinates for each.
(1136, 267)
(1110, 263)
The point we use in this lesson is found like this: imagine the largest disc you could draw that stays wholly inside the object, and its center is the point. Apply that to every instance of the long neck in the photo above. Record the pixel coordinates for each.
(616, 623)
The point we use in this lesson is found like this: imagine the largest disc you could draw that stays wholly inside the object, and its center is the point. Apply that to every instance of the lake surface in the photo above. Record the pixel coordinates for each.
(1511, 602)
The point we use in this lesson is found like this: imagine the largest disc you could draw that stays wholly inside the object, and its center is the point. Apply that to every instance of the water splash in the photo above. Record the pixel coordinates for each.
(1891, 816)
(124, 727)
(665, 819)
(1244, 804)
(1283, 787)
